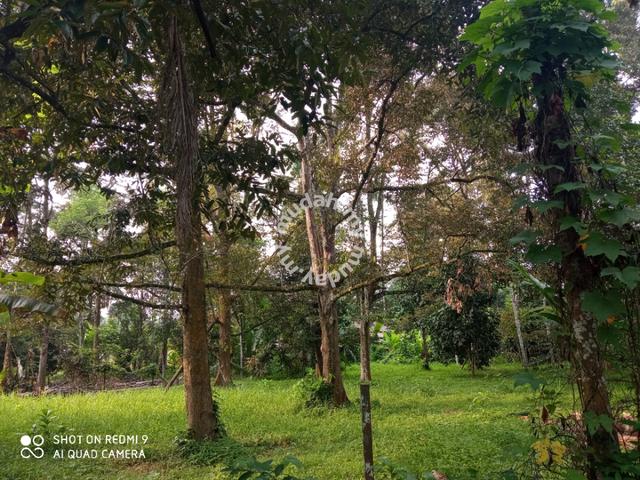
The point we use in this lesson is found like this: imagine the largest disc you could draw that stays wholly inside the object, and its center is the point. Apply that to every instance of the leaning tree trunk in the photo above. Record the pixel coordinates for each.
(578, 273)
(182, 139)
(516, 318)
(42, 364)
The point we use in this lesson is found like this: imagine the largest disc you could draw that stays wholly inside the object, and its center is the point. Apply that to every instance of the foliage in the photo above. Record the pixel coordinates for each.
(47, 425)
(472, 335)
(253, 469)
(313, 391)
(397, 348)
(515, 39)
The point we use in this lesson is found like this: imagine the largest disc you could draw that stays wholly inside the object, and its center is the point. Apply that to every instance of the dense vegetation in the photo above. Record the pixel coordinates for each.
(261, 193)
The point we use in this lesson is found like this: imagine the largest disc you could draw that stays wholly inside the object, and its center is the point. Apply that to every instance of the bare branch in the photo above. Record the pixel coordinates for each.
(90, 260)
(119, 296)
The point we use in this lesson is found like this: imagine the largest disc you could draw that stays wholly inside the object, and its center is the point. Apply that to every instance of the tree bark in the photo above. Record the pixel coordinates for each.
(223, 297)
(163, 357)
(367, 428)
(42, 364)
(96, 325)
(330, 347)
(224, 376)
(578, 273)
(321, 239)
(182, 136)
(6, 363)
(516, 318)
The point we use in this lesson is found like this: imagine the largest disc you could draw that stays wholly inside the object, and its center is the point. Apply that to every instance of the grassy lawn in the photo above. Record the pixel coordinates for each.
(442, 419)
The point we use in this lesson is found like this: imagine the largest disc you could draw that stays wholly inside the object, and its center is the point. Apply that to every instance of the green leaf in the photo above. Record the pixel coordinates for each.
(525, 236)
(543, 254)
(597, 244)
(630, 276)
(569, 187)
(618, 217)
(602, 305)
(594, 422)
(572, 222)
(17, 302)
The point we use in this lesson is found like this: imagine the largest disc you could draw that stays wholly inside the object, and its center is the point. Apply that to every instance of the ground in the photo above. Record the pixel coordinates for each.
(441, 419)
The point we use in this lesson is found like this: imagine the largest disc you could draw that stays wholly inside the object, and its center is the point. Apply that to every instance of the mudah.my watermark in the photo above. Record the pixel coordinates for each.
(351, 221)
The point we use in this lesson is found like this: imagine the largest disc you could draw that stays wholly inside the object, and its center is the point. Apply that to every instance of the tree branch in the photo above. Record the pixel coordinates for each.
(119, 296)
(89, 260)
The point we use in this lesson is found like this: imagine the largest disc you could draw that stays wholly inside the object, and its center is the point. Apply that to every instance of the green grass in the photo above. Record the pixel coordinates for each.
(441, 419)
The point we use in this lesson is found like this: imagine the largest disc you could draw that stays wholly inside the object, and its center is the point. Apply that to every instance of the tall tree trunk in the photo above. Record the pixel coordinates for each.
(241, 344)
(321, 238)
(578, 273)
(6, 363)
(182, 137)
(516, 317)
(96, 325)
(330, 347)
(42, 364)
(223, 300)
(163, 357)
(224, 376)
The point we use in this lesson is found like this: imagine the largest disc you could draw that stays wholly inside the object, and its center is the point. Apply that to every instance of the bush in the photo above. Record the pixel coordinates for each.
(397, 348)
(471, 335)
(312, 391)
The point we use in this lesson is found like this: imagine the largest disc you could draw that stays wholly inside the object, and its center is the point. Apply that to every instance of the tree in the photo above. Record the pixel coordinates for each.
(544, 58)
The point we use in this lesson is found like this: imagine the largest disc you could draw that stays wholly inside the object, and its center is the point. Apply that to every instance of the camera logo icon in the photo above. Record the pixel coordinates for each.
(31, 446)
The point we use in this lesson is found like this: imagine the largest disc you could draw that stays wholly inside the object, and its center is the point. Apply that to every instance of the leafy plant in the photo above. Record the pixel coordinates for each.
(253, 469)
(47, 425)
(313, 391)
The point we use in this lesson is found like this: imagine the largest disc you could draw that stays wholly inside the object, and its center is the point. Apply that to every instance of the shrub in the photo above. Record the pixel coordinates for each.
(312, 391)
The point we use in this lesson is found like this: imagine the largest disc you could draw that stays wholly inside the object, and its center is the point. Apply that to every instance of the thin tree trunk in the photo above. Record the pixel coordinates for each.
(182, 137)
(367, 428)
(224, 376)
(6, 363)
(241, 345)
(96, 326)
(42, 364)
(163, 357)
(365, 385)
(516, 317)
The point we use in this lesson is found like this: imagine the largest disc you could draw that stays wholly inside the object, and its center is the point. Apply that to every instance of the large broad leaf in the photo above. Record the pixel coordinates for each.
(27, 304)
(603, 304)
(630, 276)
(596, 244)
(21, 277)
